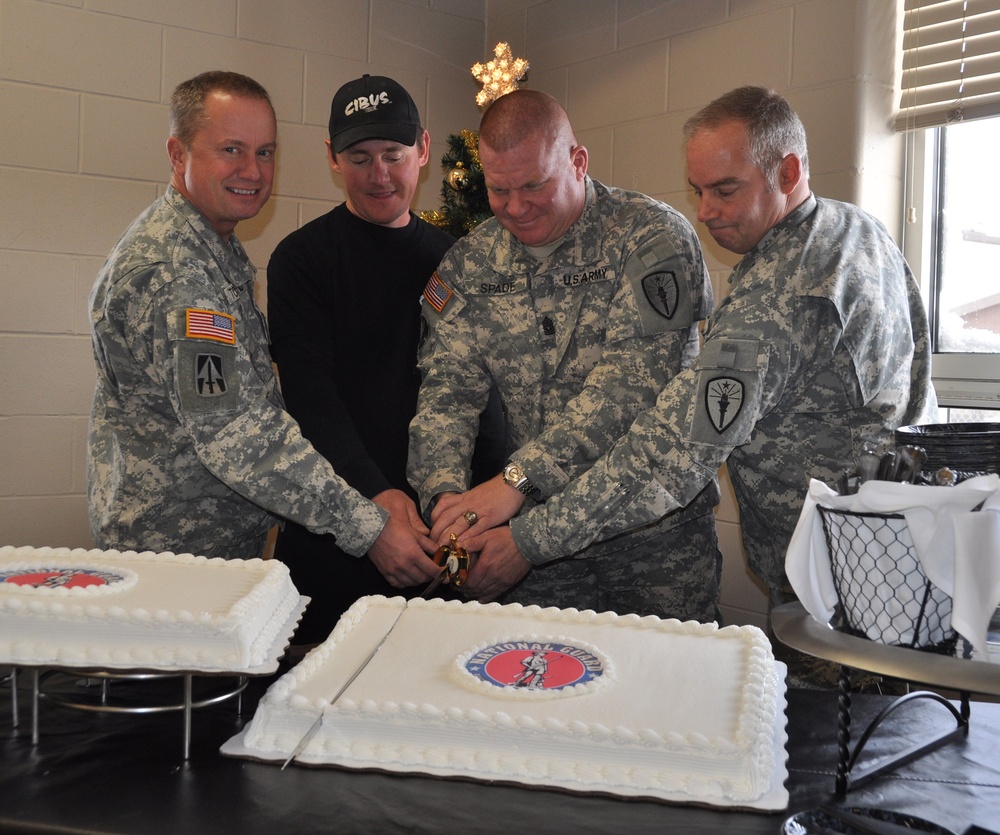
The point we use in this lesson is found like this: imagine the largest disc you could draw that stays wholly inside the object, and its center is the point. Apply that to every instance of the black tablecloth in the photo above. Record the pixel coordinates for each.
(96, 772)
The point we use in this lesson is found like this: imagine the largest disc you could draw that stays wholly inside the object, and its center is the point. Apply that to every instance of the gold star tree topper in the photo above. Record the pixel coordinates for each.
(499, 76)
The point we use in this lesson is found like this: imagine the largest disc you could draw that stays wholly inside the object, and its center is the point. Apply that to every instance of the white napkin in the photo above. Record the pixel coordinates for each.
(977, 572)
(958, 550)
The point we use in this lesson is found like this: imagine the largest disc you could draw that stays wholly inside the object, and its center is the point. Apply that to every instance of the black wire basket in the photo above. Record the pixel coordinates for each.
(963, 447)
(883, 592)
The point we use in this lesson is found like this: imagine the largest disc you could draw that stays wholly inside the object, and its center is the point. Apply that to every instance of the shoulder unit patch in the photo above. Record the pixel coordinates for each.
(210, 378)
(723, 401)
(662, 292)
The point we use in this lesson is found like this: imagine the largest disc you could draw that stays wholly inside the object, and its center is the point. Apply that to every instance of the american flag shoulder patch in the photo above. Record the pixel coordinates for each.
(210, 324)
(437, 293)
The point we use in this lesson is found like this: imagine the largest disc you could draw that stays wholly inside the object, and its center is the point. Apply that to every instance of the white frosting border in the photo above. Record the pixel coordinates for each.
(274, 591)
(240, 611)
(774, 799)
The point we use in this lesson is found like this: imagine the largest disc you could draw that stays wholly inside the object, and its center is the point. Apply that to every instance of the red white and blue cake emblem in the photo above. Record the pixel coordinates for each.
(535, 665)
(53, 578)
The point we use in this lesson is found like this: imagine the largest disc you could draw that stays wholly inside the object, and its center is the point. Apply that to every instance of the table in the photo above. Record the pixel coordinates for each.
(116, 774)
(794, 626)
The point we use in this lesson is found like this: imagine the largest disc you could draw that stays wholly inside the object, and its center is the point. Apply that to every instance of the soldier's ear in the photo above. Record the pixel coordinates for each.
(423, 148)
(789, 173)
(580, 159)
(177, 152)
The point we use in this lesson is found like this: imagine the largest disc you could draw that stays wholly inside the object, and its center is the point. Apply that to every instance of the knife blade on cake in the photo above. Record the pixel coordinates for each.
(319, 719)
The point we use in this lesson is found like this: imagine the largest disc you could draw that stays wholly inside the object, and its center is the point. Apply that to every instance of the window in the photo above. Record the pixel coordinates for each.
(950, 113)
(965, 269)
(953, 245)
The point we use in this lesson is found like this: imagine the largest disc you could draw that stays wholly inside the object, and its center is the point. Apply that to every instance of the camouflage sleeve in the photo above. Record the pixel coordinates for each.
(242, 435)
(454, 391)
(263, 455)
(651, 334)
(672, 449)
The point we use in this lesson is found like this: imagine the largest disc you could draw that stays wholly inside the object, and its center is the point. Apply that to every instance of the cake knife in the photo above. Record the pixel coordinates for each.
(319, 719)
(455, 564)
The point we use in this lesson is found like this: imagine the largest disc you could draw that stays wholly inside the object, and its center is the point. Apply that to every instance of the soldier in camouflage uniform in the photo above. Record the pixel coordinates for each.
(190, 447)
(822, 341)
(580, 302)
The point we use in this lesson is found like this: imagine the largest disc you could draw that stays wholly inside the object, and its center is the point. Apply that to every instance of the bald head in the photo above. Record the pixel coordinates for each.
(535, 172)
(522, 113)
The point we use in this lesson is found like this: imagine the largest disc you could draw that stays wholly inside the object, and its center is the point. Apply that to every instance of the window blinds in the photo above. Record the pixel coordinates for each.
(951, 62)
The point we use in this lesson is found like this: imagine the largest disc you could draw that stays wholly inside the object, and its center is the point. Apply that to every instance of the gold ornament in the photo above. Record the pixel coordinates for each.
(458, 177)
(499, 76)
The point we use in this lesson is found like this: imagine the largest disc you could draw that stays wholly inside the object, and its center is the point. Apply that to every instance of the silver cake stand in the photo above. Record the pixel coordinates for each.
(44, 673)
(796, 628)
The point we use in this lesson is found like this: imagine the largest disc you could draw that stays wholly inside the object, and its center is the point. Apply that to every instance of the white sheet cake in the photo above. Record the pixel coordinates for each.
(128, 610)
(576, 700)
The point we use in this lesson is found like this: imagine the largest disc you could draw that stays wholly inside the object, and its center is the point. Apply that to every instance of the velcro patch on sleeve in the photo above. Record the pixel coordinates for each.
(209, 324)
(206, 376)
(662, 296)
(437, 293)
(728, 391)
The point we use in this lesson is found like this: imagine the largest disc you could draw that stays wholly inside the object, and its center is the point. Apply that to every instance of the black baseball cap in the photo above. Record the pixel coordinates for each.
(372, 107)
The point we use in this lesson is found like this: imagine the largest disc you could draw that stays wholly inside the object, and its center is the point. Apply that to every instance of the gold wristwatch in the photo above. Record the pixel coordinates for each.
(515, 477)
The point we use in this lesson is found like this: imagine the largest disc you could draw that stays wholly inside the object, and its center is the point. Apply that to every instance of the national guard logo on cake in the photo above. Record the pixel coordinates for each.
(51, 578)
(536, 665)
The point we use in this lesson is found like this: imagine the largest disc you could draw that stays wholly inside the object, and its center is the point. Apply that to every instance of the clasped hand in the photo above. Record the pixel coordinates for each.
(403, 548)
(478, 518)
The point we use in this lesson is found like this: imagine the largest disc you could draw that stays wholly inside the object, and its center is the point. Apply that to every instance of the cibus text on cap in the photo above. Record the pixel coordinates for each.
(372, 107)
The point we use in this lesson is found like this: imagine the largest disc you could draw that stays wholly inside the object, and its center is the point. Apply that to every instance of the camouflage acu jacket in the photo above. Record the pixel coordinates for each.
(190, 448)
(822, 341)
(578, 343)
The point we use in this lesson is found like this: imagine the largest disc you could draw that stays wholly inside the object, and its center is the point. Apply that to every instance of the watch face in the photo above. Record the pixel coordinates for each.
(512, 474)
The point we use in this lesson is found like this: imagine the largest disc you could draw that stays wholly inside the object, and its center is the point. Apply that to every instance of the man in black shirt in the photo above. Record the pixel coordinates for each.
(344, 313)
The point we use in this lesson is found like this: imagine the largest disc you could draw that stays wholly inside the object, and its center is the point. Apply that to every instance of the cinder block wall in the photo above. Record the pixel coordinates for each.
(83, 92)
(84, 86)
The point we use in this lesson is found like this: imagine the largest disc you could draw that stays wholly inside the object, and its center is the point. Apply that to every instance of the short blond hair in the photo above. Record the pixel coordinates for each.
(187, 102)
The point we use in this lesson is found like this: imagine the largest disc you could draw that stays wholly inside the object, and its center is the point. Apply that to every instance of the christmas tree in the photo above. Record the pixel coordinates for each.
(464, 201)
